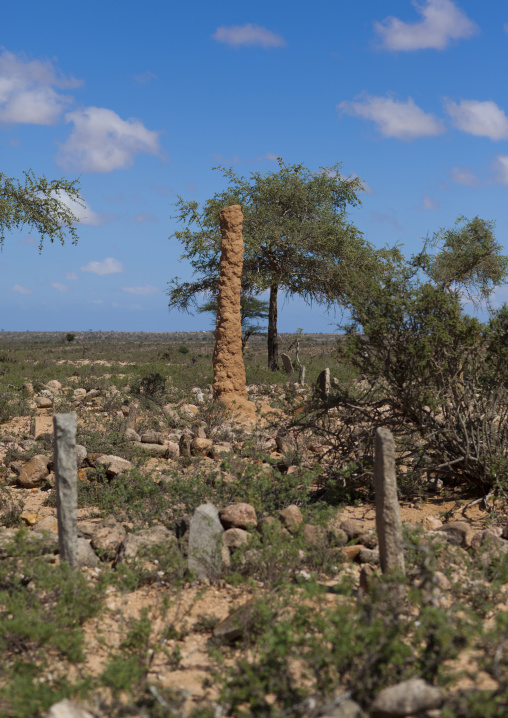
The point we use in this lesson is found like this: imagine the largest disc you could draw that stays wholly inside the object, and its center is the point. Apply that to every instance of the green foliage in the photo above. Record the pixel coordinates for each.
(250, 308)
(38, 204)
(70, 337)
(296, 233)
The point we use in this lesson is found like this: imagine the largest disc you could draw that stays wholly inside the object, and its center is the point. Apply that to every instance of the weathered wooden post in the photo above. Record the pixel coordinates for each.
(66, 472)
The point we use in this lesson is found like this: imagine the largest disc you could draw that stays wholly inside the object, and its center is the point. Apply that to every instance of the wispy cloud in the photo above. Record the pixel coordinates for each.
(500, 166)
(59, 286)
(101, 141)
(143, 78)
(386, 218)
(145, 217)
(483, 119)
(83, 212)
(429, 203)
(442, 21)
(463, 175)
(28, 90)
(107, 266)
(248, 35)
(141, 291)
(71, 276)
(21, 290)
(403, 120)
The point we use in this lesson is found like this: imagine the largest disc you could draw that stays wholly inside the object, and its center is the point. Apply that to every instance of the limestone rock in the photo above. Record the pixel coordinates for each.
(115, 465)
(291, 518)
(236, 624)
(67, 709)
(388, 522)
(315, 535)
(354, 528)
(345, 709)
(131, 435)
(81, 454)
(201, 447)
(153, 449)
(54, 386)
(152, 437)
(205, 543)
(219, 451)
(79, 393)
(235, 538)
(34, 472)
(43, 402)
(458, 533)
(86, 555)
(136, 543)
(286, 361)
(173, 449)
(189, 411)
(107, 537)
(48, 523)
(239, 515)
(431, 523)
(405, 699)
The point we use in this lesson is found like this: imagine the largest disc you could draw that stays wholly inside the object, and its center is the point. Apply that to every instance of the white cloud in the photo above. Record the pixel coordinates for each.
(484, 119)
(82, 211)
(101, 141)
(249, 35)
(146, 217)
(60, 287)
(463, 175)
(147, 289)
(107, 266)
(442, 21)
(500, 165)
(389, 217)
(71, 276)
(403, 120)
(27, 90)
(21, 290)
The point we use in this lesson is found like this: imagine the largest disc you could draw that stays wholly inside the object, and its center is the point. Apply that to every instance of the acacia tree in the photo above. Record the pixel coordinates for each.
(250, 308)
(296, 232)
(38, 204)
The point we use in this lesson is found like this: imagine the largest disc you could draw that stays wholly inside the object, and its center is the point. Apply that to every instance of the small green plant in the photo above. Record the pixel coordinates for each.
(70, 337)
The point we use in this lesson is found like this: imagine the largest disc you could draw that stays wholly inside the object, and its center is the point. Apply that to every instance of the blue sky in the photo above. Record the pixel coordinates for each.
(141, 100)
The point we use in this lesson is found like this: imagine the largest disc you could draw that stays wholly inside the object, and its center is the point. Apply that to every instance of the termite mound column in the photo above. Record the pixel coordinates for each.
(228, 366)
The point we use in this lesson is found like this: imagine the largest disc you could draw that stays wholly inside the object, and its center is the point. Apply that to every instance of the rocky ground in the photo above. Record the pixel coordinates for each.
(289, 615)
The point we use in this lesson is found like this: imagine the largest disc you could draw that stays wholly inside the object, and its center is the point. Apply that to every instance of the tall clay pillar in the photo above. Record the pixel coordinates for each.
(228, 366)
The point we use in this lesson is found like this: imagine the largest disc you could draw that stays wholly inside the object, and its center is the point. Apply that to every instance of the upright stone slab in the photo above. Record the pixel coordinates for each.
(66, 473)
(288, 366)
(205, 543)
(301, 377)
(132, 416)
(228, 367)
(323, 382)
(388, 523)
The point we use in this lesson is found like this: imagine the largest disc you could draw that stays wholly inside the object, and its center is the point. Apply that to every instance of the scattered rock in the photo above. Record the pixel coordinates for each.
(136, 543)
(291, 518)
(107, 537)
(81, 454)
(239, 515)
(220, 451)
(236, 624)
(152, 437)
(189, 411)
(34, 472)
(354, 528)
(406, 699)
(153, 449)
(173, 449)
(86, 555)
(68, 709)
(343, 709)
(431, 523)
(43, 402)
(315, 535)
(201, 447)
(114, 465)
(48, 523)
(185, 446)
(366, 575)
(79, 393)
(54, 386)
(234, 538)
(458, 533)
(131, 435)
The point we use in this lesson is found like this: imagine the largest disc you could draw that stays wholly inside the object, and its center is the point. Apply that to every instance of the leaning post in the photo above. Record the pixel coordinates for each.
(66, 472)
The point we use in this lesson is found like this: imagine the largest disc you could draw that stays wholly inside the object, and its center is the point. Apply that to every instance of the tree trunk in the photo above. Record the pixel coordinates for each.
(273, 341)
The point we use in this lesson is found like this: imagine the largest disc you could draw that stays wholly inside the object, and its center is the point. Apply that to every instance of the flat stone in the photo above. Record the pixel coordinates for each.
(34, 472)
(131, 435)
(352, 552)
(239, 515)
(431, 523)
(114, 465)
(291, 517)
(54, 386)
(48, 523)
(67, 709)
(368, 555)
(345, 709)
(406, 699)
(173, 449)
(152, 449)
(236, 624)
(188, 411)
